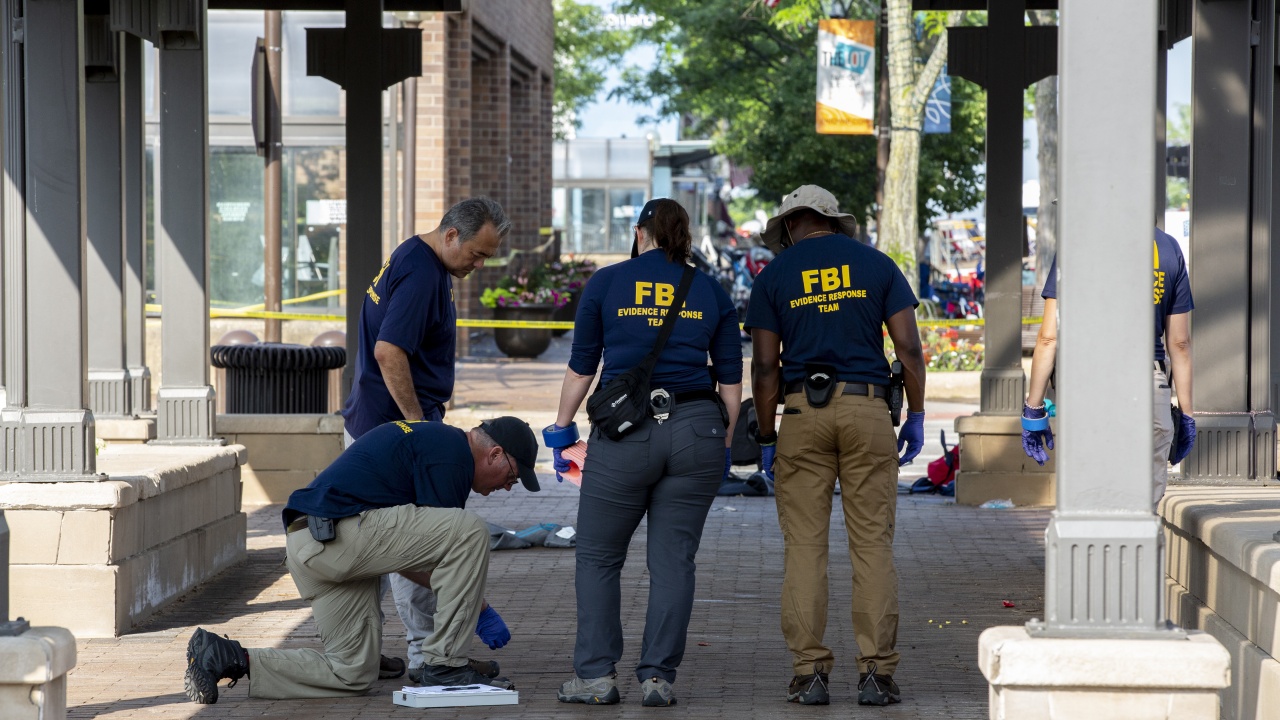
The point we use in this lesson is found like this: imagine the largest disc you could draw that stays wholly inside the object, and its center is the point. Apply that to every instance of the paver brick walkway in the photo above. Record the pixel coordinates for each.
(955, 565)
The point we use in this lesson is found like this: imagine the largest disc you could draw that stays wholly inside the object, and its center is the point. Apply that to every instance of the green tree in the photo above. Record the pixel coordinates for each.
(744, 76)
(584, 50)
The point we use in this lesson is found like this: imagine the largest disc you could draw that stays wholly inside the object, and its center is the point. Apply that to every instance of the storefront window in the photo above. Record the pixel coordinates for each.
(303, 94)
(233, 37)
(624, 207)
(235, 227)
(587, 226)
(319, 200)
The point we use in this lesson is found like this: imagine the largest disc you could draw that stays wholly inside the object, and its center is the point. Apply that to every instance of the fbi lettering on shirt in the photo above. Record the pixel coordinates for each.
(826, 287)
(1157, 285)
(652, 300)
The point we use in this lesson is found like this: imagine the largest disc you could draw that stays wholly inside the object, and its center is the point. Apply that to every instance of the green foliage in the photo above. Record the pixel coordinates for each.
(584, 50)
(1178, 125)
(745, 75)
(1177, 193)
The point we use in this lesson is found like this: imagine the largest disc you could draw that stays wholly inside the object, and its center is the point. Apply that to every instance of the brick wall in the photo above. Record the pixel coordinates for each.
(529, 25)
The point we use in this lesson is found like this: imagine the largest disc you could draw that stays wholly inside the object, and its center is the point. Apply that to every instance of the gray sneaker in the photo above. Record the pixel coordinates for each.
(657, 693)
(876, 689)
(487, 668)
(597, 691)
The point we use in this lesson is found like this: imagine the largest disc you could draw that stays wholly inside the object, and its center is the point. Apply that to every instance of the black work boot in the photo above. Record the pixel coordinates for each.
(874, 689)
(487, 668)
(390, 668)
(809, 689)
(209, 659)
(462, 675)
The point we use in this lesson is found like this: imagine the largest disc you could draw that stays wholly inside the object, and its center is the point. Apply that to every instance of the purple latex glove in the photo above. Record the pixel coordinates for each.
(767, 455)
(492, 630)
(559, 463)
(912, 436)
(1186, 438)
(1035, 442)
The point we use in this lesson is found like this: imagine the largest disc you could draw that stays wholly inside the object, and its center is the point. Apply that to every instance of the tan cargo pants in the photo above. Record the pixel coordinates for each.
(340, 579)
(852, 438)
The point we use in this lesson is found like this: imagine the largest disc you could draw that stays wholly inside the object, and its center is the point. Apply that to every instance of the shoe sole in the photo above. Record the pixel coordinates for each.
(200, 686)
(888, 700)
(609, 698)
(655, 700)
(797, 698)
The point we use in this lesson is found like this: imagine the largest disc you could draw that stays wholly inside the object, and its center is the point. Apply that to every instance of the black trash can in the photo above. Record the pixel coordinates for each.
(277, 378)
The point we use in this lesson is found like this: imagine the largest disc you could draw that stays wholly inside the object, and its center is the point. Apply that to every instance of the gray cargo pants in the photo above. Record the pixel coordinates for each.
(671, 473)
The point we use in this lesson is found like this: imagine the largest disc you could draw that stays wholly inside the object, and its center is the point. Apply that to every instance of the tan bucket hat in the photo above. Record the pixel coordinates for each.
(810, 197)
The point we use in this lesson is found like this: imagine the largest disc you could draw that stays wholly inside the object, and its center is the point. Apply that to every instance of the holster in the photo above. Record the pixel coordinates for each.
(819, 385)
(322, 528)
(896, 386)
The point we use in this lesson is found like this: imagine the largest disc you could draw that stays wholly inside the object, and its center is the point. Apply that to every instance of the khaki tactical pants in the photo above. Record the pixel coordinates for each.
(340, 579)
(1162, 434)
(852, 438)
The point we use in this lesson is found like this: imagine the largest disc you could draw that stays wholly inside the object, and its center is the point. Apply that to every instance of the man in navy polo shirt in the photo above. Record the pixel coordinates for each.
(392, 503)
(404, 363)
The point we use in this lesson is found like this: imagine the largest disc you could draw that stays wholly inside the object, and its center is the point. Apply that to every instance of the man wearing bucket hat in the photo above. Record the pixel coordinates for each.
(817, 316)
(392, 502)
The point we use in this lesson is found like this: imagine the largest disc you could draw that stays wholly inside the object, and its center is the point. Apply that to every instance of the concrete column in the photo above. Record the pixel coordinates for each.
(52, 437)
(1102, 569)
(1264, 301)
(109, 392)
(1221, 244)
(133, 197)
(33, 674)
(185, 400)
(13, 280)
(1003, 382)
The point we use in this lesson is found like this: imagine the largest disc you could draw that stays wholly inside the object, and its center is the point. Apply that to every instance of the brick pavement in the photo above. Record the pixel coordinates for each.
(955, 564)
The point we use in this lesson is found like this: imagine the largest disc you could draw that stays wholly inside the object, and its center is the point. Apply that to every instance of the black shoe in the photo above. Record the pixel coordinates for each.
(390, 668)
(809, 689)
(876, 689)
(209, 659)
(487, 668)
(461, 675)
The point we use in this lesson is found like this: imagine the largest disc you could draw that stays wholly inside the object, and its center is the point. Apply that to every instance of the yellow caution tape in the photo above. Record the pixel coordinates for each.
(529, 324)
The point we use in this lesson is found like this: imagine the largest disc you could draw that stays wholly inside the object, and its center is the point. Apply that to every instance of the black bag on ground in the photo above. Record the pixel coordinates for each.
(745, 450)
(622, 405)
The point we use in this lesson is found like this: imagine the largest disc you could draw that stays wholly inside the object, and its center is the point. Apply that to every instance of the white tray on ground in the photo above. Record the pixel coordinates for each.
(454, 696)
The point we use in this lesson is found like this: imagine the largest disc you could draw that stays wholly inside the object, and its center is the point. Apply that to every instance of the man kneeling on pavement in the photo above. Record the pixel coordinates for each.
(392, 503)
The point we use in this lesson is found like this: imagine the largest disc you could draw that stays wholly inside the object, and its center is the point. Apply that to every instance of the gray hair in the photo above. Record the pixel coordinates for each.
(483, 439)
(472, 214)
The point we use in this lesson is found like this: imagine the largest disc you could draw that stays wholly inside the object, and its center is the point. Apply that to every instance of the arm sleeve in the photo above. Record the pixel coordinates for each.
(588, 327)
(409, 308)
(1182, 301)
(899, 295)
(726, 347)
(1051, 281)
(760, 312)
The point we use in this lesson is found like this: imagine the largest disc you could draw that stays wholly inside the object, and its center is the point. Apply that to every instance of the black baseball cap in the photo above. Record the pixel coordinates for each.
(646, 212)
(516, 439)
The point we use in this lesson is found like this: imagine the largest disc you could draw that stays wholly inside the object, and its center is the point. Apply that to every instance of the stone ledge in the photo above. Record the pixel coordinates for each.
(36, 657)
(1024, 489)
(995, 424)
(1237, 524)
(135, 472)
(136, 430)
(1009, 657)
(1255, 676)
(235, 424)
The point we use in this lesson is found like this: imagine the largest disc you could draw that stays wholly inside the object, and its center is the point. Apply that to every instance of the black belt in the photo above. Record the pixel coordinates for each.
(1161, 367)
(850, 388)
(692, 395)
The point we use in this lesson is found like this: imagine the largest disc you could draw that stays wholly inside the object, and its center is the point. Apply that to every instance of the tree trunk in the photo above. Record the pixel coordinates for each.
(1047, 155)
(883, 123)
(908, 93)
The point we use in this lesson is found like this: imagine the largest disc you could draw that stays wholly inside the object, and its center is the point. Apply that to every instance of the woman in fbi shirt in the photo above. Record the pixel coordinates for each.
(669, 470)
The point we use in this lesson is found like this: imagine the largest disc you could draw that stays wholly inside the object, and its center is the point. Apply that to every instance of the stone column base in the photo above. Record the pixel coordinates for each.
(110, 394)
(33, 674)
(47, 445)
(185, 416)
(140, 386)
(993, 465)
(1102, 679)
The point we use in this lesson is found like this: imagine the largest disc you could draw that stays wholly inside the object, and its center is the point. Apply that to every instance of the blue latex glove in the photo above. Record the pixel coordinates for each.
(1035, 442)
(728, 462)
(911, 435)
(1187, 438)
(492, 630)
(559, 463)
(767, 455)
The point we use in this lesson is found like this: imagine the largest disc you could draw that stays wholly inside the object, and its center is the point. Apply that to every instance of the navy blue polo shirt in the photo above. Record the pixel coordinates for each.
(828, 298)
(621, 312)
(399, 463)
(410, 305)
(1170, 285)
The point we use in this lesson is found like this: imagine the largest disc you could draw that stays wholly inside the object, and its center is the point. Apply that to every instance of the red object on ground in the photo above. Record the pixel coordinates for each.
(576, 454)
(1007, 603)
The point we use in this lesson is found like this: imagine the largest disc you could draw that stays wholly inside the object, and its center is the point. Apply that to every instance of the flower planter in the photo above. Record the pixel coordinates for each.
(523, 342)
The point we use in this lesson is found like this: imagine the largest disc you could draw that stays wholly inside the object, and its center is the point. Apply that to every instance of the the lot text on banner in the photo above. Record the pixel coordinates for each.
(846, 77)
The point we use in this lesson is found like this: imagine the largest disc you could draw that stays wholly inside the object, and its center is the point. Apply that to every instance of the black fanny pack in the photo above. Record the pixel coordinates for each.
(622, 404)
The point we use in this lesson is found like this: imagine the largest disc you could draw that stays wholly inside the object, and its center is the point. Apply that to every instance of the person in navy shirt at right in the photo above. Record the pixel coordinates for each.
(817, 318)
(668, 470)
(1172, 305)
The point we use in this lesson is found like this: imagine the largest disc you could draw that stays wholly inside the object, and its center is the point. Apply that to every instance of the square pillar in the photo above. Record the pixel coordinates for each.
(48, 432)
(133, 198)
(13, 278)
(185, 402)
(109, 391)
(33, 674)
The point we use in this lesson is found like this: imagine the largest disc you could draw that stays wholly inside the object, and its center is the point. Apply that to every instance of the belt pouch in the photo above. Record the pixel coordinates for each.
(819, 385)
